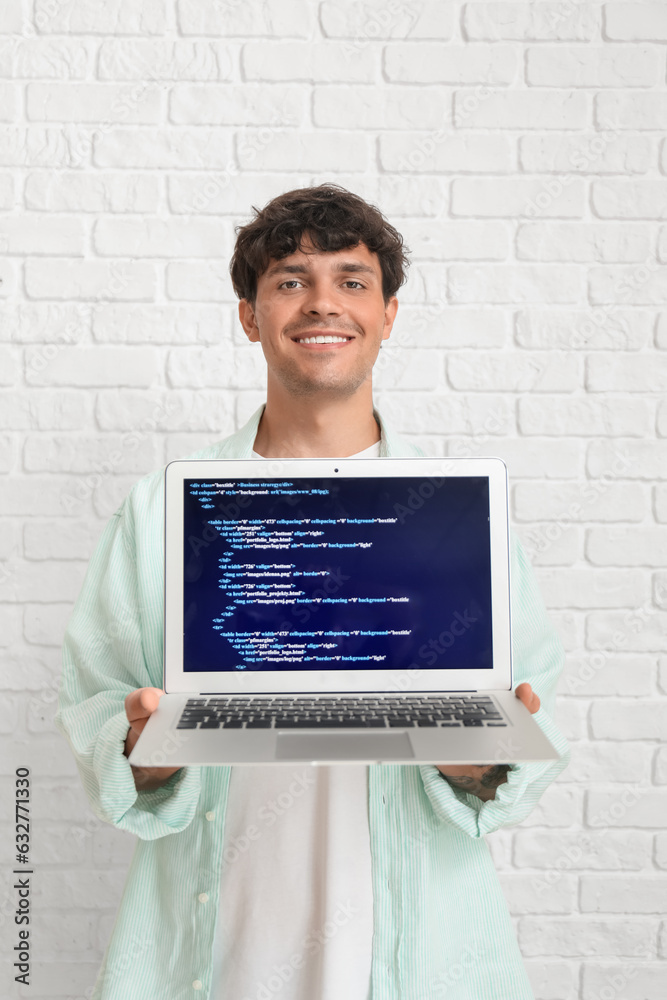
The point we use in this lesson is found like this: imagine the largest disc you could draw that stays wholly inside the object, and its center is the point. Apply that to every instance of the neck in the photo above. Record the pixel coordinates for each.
(316, 427)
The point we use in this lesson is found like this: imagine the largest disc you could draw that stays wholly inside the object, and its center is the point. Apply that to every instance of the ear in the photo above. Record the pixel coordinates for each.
(248, 321)
(389, 316)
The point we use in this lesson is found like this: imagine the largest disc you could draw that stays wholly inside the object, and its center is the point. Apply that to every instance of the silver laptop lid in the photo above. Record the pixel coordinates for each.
(313, 575)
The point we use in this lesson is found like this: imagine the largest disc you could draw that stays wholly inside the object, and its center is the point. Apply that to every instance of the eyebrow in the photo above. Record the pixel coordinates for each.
(342, 267)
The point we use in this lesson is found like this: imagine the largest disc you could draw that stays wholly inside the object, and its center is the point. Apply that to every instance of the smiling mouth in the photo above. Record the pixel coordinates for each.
(323, 338)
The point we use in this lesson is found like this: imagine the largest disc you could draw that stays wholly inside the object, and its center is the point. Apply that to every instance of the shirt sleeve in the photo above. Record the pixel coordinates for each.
(103, 661)
(538, 657)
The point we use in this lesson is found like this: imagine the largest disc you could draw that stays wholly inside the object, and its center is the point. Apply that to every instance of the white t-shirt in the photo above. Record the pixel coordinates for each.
(296, 899)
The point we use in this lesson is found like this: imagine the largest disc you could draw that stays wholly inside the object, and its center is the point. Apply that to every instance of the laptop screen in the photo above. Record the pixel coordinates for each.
(311, 574)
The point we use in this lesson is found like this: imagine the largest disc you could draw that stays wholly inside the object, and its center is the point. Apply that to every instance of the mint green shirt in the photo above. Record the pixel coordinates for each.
(441, 924)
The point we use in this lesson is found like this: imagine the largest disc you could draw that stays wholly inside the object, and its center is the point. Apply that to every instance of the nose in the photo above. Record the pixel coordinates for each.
(321, 300)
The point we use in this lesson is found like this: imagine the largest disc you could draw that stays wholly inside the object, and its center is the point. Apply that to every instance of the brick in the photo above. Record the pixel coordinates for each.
(60, 539)
(662, 419)
(365, 23)
(273, 18)
(546, 544)
(46, 582)
(274, 149)
(429, 239)
(623, 547)
(6, 191)
(172, 411)
(431, 62)
(522, 896)
(8, 453)
(99, 366)
(642, 630)
(417, 413)
(62, 978)
(639, 981)
(594, 329)
(45, 58)
(236, 104)
(516, 196)
(660, 766)
(401, 369)
(593, 153)
(598, 850)
(222, 368)
(222, 195)
(79, 890)
(41, 235)
(661, 850)
(170, 149)
(628, 460)
(310, 62)
(637, 806)
(660, 505)
(563, 936)
(626, 373)
(111, 846)
(11, 18)
(43, 410)
(400, 196)
(534, 459)
(592, 66)
(519, 109)
(533, 22)
(199, 283)
(570, 628)
(93, 280)
(160, 238)
(579, 503)
(44, 624)
(101, 17)
(559, 807)
(644, 284)
(43, 147)
(631, 111)
(8, 102)
(613, 416)
(120, 323)
(631, 718)
(164, 59)
(10, 624)
(660, 590)
(527, 283)
(627, 199)
(453, 328)
(583, 243)
(79, 453)
(9, 369)
(551, 980)
(8, 282)
(91, 192)
(396, 107)
(635, 22)
(498, 371)
(445, 151)
(590, 588)
(139, 104)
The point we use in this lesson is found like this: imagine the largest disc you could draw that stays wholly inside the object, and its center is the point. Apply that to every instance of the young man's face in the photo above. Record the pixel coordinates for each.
(310, 295)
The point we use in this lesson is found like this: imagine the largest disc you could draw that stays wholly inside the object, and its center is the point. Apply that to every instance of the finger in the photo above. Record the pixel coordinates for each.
(141, 704)
(527, 696)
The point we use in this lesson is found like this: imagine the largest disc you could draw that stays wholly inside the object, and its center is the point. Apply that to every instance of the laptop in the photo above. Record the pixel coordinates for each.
(338, 610)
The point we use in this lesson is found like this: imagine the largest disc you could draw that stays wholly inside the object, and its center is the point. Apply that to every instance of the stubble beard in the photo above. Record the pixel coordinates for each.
(327, 382)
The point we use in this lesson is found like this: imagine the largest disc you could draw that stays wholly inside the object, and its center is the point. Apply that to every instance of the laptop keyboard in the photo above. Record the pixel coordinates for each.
(445, 711)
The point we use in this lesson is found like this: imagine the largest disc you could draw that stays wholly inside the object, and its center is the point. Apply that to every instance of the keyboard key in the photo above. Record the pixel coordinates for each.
(259, 724)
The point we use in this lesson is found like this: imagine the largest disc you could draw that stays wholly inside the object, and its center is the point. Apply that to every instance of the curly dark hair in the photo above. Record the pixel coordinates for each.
(334, 219)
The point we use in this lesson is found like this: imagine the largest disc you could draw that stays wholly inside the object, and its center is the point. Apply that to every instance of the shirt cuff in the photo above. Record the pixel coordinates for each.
(148, 815)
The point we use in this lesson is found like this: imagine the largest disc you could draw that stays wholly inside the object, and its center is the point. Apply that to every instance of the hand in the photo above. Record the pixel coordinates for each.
(139, 706)
(483, 780)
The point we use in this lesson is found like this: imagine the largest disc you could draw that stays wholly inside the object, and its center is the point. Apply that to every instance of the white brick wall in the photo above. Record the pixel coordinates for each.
(519, 146)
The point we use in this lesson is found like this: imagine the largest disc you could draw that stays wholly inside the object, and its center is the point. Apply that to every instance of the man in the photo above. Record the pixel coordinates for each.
(344, 881)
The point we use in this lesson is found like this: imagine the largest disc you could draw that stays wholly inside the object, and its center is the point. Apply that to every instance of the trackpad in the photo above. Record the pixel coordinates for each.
(343, 746)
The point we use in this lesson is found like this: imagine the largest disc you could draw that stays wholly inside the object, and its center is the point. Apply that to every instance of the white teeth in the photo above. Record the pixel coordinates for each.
(322, 340)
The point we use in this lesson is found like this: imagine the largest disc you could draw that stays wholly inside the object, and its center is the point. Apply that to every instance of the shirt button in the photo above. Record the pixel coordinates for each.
(197, 985)
(209, 816)
(203, 897)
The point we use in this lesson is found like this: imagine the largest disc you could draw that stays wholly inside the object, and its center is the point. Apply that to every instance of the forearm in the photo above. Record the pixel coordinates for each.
(147, 779)
(479, 781)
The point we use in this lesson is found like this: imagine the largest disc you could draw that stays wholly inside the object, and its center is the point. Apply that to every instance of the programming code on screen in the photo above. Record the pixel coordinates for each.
(336, 573)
